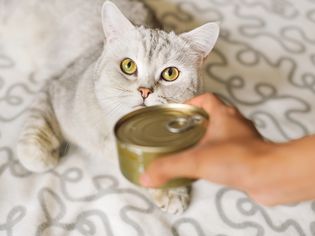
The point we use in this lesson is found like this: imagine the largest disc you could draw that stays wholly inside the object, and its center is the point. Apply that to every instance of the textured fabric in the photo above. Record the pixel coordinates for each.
(263, 63)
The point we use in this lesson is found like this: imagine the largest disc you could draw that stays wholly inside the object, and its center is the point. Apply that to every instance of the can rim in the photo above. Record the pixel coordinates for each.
(165, 149)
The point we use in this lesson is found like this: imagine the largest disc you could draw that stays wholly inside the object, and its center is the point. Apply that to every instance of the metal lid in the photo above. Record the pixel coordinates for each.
(162, 128)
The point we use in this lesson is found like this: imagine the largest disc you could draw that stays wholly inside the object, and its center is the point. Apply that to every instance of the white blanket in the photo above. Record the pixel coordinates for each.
(263, 63)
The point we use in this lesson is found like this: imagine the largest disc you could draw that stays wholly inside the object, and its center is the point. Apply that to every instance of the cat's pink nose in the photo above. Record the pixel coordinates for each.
(145, 92)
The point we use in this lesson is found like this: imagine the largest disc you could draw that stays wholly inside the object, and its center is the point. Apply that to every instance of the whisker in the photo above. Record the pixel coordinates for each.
(168, 99)
(122, 89)
(116, 96)
(113, 110)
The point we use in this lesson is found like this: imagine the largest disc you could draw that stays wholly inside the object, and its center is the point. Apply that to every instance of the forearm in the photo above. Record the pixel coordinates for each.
(285, 173)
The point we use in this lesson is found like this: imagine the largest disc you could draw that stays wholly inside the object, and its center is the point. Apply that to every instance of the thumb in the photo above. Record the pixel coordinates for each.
(163, 169)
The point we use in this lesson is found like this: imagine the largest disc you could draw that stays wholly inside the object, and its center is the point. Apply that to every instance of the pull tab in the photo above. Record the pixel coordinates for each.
(182, 124)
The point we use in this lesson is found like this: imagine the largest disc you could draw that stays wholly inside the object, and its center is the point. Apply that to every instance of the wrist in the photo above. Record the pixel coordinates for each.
(261, 156)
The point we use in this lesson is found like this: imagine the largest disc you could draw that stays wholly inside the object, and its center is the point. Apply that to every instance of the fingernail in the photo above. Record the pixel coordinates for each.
(145, 180)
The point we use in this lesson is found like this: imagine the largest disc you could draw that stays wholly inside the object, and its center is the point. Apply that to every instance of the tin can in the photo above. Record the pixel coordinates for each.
(151, 132)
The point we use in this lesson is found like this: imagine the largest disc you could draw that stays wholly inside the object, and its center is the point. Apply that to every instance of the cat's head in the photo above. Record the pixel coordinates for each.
(142, 66)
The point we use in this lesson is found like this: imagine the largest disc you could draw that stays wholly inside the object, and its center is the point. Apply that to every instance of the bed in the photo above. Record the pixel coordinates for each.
(263, 63)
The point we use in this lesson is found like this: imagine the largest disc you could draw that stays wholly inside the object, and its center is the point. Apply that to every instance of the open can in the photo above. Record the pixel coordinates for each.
(151, 132)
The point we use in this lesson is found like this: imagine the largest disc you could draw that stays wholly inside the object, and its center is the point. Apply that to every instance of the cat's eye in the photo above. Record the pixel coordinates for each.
(128, 66)
(170, 74)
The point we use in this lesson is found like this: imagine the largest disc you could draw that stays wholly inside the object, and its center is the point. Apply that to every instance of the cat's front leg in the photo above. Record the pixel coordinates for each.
(173, 200)
(38, 147)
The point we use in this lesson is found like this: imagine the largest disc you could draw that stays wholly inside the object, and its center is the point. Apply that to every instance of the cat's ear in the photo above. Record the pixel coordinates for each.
(202, 38)
(114, 22)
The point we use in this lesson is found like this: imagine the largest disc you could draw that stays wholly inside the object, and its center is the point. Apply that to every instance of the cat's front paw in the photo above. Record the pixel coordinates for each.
(174, 201)
(36, 158)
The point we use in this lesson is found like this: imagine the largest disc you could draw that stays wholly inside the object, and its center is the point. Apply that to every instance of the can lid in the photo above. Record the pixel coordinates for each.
(162, 128)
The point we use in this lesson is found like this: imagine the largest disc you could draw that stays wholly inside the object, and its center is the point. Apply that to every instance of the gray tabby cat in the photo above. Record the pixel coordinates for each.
(138, 66)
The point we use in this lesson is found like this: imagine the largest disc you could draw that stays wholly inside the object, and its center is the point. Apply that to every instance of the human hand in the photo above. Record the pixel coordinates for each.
(224, 155)
(233, 153)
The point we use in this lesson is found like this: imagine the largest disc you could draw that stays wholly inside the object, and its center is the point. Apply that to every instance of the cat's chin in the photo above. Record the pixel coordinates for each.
(138, 107)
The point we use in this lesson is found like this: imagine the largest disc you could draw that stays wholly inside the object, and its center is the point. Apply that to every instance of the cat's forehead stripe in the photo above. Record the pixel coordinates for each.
(154, 41)
(154, 38)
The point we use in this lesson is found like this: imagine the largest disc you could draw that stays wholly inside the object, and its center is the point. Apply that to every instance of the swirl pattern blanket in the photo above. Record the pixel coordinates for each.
(263, 63)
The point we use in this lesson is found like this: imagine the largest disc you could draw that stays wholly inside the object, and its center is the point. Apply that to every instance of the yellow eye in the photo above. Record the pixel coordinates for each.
(170, 74)
(128, 66)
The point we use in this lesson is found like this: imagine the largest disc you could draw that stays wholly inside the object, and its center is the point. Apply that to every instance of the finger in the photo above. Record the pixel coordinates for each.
(219, 163)
(169, 167)
(207, 101)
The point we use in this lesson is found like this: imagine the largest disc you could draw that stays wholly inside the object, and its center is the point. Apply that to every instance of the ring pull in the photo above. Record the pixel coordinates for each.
(182, 124)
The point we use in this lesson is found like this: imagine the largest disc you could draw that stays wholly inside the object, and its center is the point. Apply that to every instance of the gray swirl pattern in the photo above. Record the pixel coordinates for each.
(263, 63)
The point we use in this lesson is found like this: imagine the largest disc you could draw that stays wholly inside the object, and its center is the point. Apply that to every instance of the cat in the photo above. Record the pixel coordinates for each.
(82, 105)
